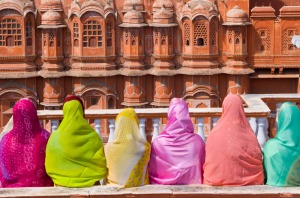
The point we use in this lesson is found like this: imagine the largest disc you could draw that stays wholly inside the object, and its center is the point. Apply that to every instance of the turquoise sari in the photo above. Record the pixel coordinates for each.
(282, 154)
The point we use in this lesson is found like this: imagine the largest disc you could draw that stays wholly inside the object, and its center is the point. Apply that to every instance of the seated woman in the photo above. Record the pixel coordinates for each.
(128, 154)
(233, 154)
(282, 154)
(177, 154)
(22, 150)
(75, 154)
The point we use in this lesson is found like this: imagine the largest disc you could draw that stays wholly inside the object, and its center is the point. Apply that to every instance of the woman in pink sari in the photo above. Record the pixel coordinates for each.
(177, 154)
(22, 150)
(233, 154)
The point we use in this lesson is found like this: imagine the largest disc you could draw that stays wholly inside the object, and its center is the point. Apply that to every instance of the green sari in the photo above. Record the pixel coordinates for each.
(75, 154)
(282, 154)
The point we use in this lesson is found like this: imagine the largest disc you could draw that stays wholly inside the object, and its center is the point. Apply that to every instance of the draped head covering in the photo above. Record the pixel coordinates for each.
(75, 155)
(233, 154)
(22, 150)
(128, 154)
(282, 154)
(177, 153)
(74, 97)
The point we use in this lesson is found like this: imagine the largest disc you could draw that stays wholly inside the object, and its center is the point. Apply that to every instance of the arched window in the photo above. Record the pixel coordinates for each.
(92, 34)
(110, 103)
(163, 42)
(10, 33)
(237, 41)
(200, 33)
(28, 33)
(199, 42)
(76, 34)
(10, 41)
(187, 34)
(109, 34)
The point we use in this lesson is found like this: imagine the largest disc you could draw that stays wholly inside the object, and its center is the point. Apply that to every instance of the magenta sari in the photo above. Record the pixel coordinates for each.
(22, 150)
(177, 154)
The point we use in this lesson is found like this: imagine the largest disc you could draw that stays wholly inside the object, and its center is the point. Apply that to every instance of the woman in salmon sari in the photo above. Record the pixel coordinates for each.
(282, 154)
(233, 154)
(75, 154)
(177, 154)
(128, 154)
(22, 150)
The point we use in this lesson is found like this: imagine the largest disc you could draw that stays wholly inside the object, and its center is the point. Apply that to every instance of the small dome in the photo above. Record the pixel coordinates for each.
(236, 14)
(51, 17)
(92, 3)
(133, 5)
(133, 17)
(51, 4)
(204, 4)
(163, 3)
(163, 16)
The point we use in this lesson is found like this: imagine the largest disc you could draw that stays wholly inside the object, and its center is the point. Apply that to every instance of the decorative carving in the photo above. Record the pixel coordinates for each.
(263, 40)
(200, 33)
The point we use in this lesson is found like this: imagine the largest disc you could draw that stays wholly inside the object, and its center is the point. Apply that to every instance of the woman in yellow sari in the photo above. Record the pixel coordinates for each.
(75, 155)
(129, 153)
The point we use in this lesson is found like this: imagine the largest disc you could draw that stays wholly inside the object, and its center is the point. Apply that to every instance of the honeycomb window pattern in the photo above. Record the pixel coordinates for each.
(109, 34)
(10, 33)
(187, 33)
(92, 34)
(200, 34)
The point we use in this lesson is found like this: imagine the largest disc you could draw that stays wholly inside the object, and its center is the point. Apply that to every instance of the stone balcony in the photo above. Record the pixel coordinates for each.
(259, 114)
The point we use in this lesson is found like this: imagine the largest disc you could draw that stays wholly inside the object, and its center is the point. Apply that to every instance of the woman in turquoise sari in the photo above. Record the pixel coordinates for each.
(282, 154)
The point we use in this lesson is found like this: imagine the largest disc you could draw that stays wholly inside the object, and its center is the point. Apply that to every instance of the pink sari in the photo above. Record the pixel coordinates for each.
(22, 150)
(233, 155)
(177, 154)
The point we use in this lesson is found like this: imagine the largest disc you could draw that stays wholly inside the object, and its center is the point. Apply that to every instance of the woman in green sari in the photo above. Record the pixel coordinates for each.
(282, 154)
(74, 154)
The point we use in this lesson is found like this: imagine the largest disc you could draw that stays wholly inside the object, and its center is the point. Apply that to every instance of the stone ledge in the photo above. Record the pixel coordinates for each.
(180, 191)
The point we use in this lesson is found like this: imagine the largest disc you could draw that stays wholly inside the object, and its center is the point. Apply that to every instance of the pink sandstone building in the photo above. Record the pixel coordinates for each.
(142, 53)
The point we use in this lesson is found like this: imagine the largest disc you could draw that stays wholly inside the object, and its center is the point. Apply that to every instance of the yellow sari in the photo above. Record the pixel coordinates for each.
(128, 154)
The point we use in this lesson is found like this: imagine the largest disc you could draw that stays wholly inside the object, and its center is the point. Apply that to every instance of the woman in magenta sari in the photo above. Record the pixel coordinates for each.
(22, 150)
(177, 154)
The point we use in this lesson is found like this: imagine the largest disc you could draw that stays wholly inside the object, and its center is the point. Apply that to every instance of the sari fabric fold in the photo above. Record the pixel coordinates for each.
(177, 153)
(233, 154)
(128, 154)
(75, 154)
(22, 150)
(282, 154)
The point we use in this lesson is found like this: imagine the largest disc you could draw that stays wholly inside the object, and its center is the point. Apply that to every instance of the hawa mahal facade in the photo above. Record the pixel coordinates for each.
(142, 53)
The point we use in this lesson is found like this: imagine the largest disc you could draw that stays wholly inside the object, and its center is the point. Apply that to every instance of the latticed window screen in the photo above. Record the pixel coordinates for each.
(213, 33)
(237, 36)
(109, 34)
(10, 33)
(163, 36)
(76, 34)
(51, 38)
(126, 36)
(287, 39)
(200, 34)
(44, 37)
(92, 34)
(229, 35)
(156, 36)
(28, 33)
(187, 34)
(134, 35)
(263, 40)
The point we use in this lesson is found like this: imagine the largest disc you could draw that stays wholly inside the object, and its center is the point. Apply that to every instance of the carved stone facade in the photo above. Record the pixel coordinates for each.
(141, 53)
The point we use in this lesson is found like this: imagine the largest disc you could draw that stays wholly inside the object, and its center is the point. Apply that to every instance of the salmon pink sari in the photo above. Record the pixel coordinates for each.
(22, 150)
(233, 154)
